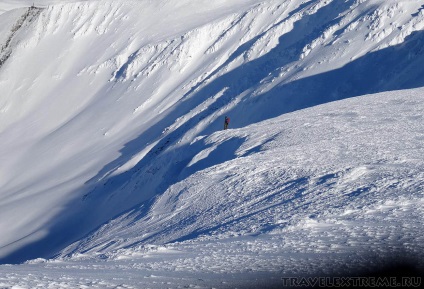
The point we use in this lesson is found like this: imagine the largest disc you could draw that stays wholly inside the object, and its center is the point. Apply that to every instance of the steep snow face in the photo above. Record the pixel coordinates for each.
(68, 104)
(99, 100)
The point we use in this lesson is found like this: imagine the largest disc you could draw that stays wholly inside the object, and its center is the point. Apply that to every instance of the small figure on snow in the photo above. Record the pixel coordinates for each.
(226, 122)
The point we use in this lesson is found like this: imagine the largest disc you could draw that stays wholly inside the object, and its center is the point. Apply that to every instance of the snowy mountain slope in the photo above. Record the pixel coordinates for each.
(349, 168)
(100, 101)
(56, 110)
(330, 190)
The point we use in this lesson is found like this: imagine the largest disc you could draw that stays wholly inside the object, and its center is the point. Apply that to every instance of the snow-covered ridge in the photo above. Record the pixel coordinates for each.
(334, 189)
(351, 167)
(26, 19)
(100, 101)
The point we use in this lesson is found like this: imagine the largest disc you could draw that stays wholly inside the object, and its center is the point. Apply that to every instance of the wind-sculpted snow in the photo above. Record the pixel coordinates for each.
(107, 112)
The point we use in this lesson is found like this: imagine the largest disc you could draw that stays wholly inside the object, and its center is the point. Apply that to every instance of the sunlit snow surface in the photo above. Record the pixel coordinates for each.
(327, 190)
(115, 168)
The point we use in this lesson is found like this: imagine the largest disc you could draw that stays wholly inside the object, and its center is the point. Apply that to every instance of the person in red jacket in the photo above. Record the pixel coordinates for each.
(226, 122)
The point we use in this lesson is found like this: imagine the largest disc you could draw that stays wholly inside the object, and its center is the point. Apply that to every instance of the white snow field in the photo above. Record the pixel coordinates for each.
(115, 171)
(333, 189)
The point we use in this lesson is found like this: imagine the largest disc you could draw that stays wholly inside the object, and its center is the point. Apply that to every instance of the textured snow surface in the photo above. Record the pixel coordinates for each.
(112, 146)
(333, 189)
(338, 168)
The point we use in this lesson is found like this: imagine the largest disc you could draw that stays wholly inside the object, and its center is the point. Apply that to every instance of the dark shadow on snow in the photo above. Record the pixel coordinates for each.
(392, 68)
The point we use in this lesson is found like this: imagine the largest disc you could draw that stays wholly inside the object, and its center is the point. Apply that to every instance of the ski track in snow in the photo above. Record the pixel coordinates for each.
(112, 159)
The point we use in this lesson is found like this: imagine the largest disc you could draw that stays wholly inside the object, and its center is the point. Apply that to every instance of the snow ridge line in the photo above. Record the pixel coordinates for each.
(6, 49)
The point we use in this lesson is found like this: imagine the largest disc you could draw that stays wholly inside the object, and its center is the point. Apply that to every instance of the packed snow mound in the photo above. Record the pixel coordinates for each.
(100, 101)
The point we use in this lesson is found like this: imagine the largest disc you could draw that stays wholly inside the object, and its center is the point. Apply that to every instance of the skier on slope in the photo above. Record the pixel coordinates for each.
(226, 122)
